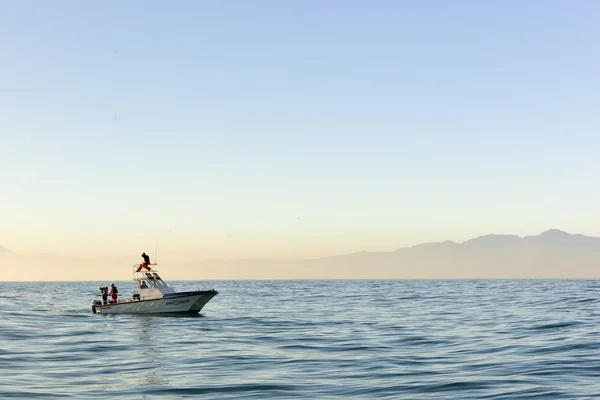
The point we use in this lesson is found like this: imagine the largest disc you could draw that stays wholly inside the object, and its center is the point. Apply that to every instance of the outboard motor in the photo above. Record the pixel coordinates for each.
(94, 304)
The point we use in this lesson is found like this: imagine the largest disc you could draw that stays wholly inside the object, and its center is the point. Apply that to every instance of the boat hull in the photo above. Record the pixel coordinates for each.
(189, 302)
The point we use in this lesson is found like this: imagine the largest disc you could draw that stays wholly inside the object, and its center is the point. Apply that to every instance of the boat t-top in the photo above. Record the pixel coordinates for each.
(152, 295)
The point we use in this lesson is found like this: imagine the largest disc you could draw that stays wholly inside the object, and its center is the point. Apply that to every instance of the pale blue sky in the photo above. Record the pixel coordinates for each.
(380, 124)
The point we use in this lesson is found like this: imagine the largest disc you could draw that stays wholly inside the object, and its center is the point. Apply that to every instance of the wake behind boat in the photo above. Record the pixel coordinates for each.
(152, 295)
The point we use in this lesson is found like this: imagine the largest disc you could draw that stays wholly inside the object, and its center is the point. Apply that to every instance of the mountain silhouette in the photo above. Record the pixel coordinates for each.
(551, 254)
(4, 250)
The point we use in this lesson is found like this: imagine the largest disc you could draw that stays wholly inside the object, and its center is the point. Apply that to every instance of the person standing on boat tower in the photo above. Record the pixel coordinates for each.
(146, 263)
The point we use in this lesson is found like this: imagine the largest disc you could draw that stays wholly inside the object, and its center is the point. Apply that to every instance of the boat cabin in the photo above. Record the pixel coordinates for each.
(149, 285)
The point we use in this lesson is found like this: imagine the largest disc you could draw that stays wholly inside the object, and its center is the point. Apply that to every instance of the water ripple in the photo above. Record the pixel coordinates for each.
(475, 339)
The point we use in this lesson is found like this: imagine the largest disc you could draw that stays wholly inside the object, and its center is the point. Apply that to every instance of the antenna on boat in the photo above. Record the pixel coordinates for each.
(156, 251)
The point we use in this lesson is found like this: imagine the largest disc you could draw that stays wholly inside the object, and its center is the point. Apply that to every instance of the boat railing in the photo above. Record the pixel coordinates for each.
(120, 299)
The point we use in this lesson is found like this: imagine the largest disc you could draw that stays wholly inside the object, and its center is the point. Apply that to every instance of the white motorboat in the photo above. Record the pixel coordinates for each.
(151, 295)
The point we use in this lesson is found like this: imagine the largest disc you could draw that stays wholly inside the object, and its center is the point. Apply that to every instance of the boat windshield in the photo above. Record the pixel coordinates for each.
(154, 279)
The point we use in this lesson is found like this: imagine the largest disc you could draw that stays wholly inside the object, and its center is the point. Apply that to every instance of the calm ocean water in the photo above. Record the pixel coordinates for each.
(309, 339)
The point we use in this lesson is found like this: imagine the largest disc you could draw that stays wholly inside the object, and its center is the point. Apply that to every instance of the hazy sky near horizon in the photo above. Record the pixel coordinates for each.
(294, 128)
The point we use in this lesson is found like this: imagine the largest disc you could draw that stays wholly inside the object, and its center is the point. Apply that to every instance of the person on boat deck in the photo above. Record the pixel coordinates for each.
(104, 292)
(114, 293)
(145, 264)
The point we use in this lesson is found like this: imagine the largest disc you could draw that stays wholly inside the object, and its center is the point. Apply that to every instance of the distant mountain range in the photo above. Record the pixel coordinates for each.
(4, 250)
(551, 254)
